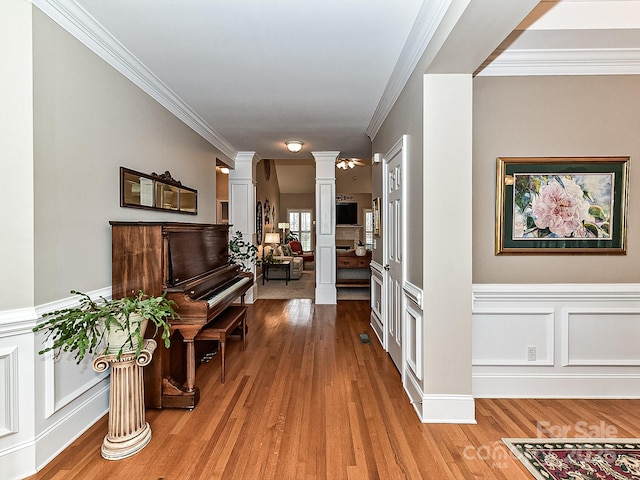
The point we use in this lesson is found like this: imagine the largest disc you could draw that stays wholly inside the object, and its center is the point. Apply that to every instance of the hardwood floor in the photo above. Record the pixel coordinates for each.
(308, 400)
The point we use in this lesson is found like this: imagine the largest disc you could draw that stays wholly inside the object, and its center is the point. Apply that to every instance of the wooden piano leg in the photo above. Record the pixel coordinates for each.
(191, 365)
(189, 333)
(222, 346)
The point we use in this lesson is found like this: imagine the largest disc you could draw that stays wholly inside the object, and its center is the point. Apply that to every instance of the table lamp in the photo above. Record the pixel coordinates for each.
(272, 238)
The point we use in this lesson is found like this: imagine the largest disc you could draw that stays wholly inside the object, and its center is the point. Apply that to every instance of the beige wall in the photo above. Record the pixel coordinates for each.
(552, 116)
(268, 189)
(90, 120)
(296, 201)
(354, 180)
(405, 118)
(222, 186)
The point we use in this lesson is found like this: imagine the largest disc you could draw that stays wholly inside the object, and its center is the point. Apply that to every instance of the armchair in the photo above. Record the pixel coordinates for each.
(296, 247)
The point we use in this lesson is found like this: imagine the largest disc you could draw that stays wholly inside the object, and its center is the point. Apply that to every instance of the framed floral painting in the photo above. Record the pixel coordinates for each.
(562, 205)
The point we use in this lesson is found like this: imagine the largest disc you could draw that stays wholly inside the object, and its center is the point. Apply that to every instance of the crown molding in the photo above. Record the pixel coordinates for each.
(600, 61)
(429, 17)
(79, 23)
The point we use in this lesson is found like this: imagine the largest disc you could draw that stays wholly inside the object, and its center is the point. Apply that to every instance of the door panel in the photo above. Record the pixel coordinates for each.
(393, 239)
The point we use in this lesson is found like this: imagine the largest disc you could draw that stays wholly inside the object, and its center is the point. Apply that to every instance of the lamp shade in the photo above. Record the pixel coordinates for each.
(283, 225)
(272, 237)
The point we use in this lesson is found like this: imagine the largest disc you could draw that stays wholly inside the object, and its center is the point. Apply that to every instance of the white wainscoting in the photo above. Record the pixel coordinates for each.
(17, 422)
(54, 402)
(9, 381)
(377, 302)
(584, 337)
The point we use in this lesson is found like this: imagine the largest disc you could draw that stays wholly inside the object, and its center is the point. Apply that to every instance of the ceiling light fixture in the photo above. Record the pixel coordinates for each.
(224, 170)
(294, 146)
(345, 163)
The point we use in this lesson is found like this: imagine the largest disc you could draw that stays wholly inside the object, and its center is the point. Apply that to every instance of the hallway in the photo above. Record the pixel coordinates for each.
(309, 400)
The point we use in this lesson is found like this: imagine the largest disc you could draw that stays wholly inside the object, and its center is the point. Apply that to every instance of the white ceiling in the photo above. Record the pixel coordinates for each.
(261, 72)
(249, 74)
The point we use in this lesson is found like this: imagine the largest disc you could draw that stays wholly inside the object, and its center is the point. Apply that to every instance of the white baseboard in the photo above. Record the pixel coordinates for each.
(522, 385)
(26, 459)
(440, 408)
(448, 409)
(63, 432)
(18, 461)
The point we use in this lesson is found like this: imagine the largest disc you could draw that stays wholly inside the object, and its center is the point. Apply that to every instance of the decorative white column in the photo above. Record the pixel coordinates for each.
(447, 284)
(325, 227)
(242, 206)
(129, 432)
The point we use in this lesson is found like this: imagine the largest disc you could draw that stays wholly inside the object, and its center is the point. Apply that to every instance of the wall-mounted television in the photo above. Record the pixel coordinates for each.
(347, 213)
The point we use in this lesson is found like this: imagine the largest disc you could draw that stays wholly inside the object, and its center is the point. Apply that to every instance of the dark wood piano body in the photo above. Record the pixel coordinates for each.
(188, 262)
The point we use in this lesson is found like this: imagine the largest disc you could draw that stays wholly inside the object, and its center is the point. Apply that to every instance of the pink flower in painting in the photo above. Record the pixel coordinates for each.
(560, 208)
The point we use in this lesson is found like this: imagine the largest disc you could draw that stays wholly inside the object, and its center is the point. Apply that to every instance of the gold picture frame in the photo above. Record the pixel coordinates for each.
(562, 205)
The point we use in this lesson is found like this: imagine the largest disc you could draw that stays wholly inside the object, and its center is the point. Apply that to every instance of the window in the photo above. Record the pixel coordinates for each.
(368, 228)
(300, 226)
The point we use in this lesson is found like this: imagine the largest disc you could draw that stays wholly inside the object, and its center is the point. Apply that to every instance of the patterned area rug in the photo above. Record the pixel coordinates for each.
(578, 459)
(304, 287)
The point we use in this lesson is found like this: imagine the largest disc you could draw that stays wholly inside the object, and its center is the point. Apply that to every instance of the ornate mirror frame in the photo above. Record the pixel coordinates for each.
(156, 192)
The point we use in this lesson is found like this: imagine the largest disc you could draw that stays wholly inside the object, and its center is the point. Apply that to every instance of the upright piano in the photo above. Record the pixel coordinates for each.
(189, 262)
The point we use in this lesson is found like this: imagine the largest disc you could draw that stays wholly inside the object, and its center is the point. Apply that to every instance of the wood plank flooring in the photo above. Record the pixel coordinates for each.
(308, 400)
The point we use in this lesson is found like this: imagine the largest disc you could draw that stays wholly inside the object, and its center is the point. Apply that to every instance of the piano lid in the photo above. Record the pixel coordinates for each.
(195, 252)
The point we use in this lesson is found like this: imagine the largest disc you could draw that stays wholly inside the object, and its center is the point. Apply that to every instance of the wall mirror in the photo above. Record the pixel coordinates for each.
(156, 192)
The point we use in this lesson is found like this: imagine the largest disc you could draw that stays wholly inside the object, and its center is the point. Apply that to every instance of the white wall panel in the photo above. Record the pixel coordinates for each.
(503, 338)
(9, 398)
(585, 337)
(326, 208)
(239, 197)
(600, 337)
(377, 302)
(413, 338)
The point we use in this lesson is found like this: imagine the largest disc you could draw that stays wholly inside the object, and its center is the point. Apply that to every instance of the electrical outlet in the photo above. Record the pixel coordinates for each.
(531, 354)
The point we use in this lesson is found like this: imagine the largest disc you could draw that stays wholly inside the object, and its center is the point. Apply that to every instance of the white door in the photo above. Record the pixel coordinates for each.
(392, 226)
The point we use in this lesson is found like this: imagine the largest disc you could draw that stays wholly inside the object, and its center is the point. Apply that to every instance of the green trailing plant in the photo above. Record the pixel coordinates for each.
(81, 330)
(242, 252)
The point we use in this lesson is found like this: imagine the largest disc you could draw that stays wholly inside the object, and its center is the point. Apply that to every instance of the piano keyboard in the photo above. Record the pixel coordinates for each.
(227, 289)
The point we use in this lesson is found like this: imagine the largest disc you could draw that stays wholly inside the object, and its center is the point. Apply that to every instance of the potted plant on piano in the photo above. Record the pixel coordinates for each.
(115, 326)
(242, 253)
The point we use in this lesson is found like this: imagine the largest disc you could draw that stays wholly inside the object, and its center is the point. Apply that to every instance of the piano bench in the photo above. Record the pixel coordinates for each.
(231, 318)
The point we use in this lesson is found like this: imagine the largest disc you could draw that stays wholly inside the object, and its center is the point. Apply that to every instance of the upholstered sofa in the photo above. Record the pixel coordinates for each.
(296, 264)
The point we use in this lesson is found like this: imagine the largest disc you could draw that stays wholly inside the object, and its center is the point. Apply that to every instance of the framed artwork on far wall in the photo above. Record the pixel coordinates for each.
(562, 205)
(376, 216)
(259, 223)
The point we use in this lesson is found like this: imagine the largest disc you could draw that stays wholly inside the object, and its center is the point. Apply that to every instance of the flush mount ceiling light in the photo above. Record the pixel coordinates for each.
(294, 146)
(345, 163)
(224, 170)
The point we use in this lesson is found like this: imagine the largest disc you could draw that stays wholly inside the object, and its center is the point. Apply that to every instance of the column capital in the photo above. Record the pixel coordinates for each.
(245, 166)
(325, 164)
(325, 156)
